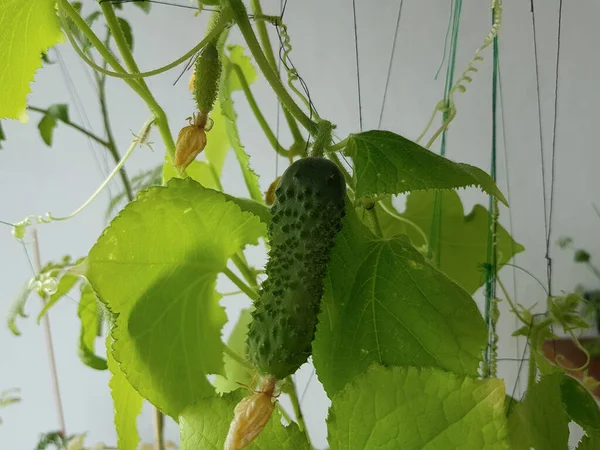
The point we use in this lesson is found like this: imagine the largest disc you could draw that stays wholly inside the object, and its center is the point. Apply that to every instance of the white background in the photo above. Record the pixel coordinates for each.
(35, 179)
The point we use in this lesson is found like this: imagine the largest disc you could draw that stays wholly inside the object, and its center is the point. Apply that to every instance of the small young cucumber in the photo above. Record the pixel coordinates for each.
(306, 217)
(207, 76)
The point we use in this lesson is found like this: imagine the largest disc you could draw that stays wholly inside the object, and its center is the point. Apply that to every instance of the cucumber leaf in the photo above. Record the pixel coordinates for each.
(155, 267)
(387, 163)
(425, 409)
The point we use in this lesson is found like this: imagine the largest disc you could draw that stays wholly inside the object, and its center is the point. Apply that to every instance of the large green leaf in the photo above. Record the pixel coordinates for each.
(205, 425)
(387, 163)
(236, 373)
(426, 409)
(89, 315)
(461, 242)
(230, 118)
(28, 29)
(590, 442)
(540, 420)
(127, 404)
(384, 303)
(155, 267)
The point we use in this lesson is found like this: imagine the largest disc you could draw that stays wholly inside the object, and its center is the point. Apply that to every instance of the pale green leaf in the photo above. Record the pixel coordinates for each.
(387, 163)
(580, 405)
(237, 56)
(205, 426)
(540, 420)
(200, 171)
(89, 315)
(17, 307)
(460, 244)
(155, 267)
(28, 29)
(384, 303)
(229, 116)
(65, 284)
(217, 143)
(426, 409)
(236, 373)
(127, 404)
(49, 121)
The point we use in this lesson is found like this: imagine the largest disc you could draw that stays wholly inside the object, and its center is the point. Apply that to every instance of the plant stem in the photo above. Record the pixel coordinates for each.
(339, 146)
(268, 50)
(376, 223)
(334, 157)
(161, 119)
(159, 426)
(248, 274)
(237, 358)
(112, 146)
(240, 284)
(241, 17)
(79, 128)
(49, 345)
(119, 37)
(257, 112)
(296, 404)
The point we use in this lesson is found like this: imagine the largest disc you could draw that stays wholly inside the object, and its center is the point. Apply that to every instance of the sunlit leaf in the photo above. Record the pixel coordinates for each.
(237, 56)
(387, 163)
(384, 303)
(127, 404)
(200, 171)
(155, 267)
(417, 409)
(28, 29)
(230, 118)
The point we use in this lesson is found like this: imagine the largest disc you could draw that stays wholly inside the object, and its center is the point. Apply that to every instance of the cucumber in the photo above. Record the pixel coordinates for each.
(305, 219)
(206, 81)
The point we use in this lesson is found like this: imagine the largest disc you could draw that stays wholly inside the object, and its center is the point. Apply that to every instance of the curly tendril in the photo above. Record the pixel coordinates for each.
(449, 107)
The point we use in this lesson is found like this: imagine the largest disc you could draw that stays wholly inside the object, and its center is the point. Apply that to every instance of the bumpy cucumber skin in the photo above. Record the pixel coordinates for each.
(306, 217)
(208, 74)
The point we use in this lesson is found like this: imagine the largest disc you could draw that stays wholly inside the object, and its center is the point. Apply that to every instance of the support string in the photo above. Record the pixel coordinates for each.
(360, 117)
(390, 65)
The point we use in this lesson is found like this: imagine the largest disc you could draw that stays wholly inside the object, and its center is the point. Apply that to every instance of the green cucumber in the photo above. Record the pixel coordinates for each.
(305, 219)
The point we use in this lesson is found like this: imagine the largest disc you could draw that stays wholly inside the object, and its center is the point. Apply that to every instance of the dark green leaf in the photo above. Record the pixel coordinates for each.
(90, 19)
(88, 314)
(155, 267)
(387, 163)
(144, 5)
(460, 243)
(49, 121)
(590, 442)
(2, 135)
(205, 426)
(412, 409)
(384, 303)
(127, 32)
(580, 405)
